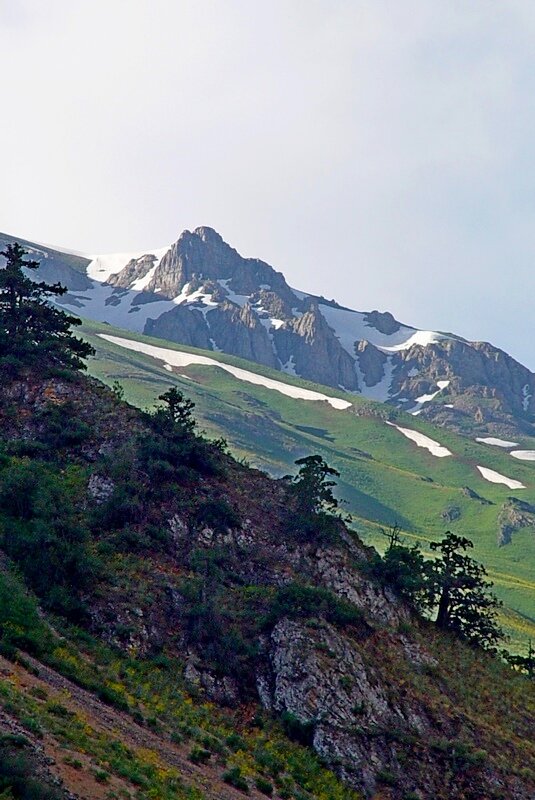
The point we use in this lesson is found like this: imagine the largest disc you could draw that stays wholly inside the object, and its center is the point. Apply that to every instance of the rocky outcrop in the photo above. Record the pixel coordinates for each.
(514, 515)
(384, 322)
(371, 362)
(136, 269)
(181, 324)
(310, 345)
(240, 331)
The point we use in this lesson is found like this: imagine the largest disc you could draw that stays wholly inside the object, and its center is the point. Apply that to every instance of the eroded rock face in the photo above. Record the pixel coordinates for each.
(314, 351)
(100, 488)
(240, 330)
(371, 362)
(319, 677)
(181, 324)
(514, 515)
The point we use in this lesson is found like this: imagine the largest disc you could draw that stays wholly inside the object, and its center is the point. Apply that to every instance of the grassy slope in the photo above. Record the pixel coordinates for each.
(384, 476)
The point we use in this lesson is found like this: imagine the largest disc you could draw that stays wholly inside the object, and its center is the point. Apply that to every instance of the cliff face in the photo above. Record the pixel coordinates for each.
(203, 293)
(207, 563)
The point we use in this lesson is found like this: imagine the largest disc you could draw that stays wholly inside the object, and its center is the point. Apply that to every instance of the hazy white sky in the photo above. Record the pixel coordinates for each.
(377, 151)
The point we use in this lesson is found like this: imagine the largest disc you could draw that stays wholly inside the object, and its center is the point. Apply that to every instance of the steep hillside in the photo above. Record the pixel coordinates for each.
(385, 477)
(241, 646)
(200, 292)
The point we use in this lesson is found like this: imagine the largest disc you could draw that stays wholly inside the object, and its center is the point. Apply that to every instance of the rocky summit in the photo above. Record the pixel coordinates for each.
(201, 292)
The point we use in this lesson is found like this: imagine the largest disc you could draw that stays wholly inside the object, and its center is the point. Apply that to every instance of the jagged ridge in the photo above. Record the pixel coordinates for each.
(201, 292)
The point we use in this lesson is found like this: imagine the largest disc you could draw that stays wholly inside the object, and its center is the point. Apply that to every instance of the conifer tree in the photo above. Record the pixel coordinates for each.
(462, 594)
(311, 488)
(32, 330)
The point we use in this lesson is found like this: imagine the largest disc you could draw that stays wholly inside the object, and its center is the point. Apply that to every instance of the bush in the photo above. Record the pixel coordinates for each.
(296, 730)
(404, 570)
(301, 602)
(199, 755)
(61, 427)
(20, 623)
(42, 531)
(18, 772)
(217, 514)
(234, 778)
(264, 786)
(123, 508)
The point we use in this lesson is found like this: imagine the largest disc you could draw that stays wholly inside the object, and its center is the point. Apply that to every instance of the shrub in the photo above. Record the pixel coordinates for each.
(234, 778)
(296, 730)
(217, 514)
(18, 772)
(236, 742)
(298, 601)
(199, 755)
(20, 623)
(61, 427)
(264, 786)
(44, 534)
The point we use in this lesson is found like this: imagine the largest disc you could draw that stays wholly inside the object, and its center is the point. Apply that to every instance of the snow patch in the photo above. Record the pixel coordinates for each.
(421, 440)
(289, 367)
(239, 299)
(201, 300)
(523, 455)
(102, 267)
(178, 358)
(496, 442)
(426, 398)
(495, 477)
(526, 397)
(380, 391)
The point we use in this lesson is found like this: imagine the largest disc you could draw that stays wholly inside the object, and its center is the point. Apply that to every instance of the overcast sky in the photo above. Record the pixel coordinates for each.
(377, 151)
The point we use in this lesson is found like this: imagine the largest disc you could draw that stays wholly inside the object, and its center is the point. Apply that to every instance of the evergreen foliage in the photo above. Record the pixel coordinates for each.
(41, 531)
(453, 584)
(32, 330)
(458, 587)
(172, 451)
(403, 569)
(311, 488)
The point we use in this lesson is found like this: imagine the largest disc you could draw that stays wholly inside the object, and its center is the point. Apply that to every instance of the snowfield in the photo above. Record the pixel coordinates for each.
(350, 326)
(177, 358)
(421, 440)
(495, 477)
(103, 267)
(496, 442)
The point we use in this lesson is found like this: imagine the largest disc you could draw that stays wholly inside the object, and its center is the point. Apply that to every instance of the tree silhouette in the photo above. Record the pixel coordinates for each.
(459, 589)
(311, 488)
(32, 330)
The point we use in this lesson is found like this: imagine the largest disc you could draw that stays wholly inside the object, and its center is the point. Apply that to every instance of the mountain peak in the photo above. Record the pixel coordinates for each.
(208, 235)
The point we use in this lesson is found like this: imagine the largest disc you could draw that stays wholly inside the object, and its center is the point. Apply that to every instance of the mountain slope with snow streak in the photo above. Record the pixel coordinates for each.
(175, 358)
(201, 292)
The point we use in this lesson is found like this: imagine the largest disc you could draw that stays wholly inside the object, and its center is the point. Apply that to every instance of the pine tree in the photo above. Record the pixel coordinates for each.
(459, 588)
(179, 409)
(32, 330)
(311, 488)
